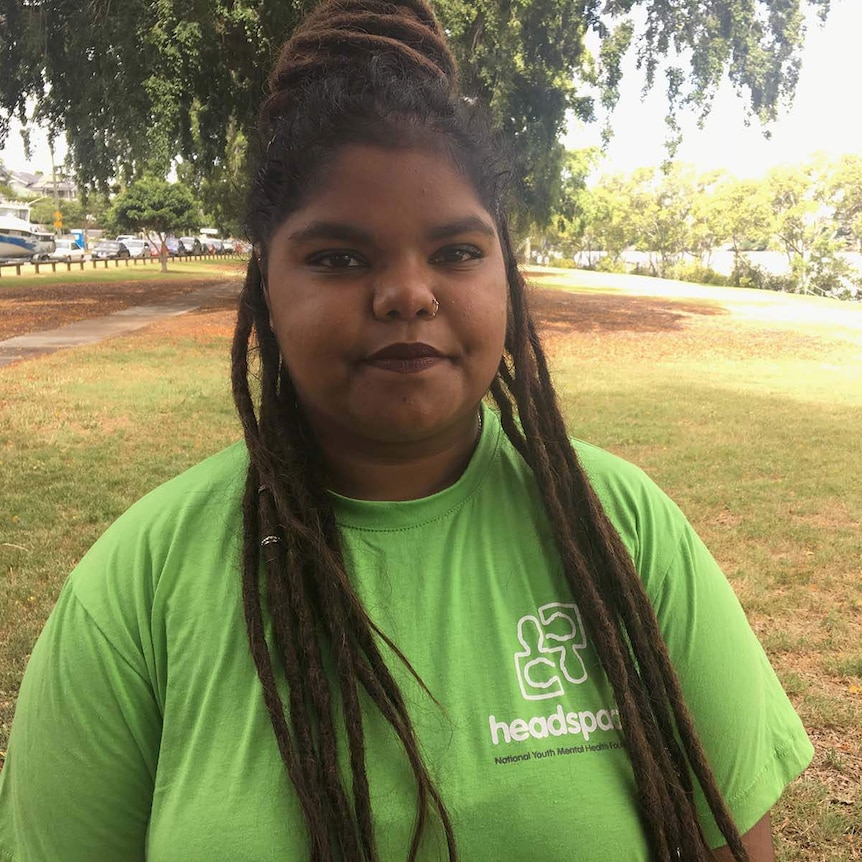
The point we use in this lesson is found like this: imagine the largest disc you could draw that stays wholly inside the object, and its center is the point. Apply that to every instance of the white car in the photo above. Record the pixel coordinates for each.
(66, 249)
(138, 247)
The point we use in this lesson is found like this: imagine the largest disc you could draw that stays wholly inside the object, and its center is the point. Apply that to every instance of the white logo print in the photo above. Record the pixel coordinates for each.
(550, 642)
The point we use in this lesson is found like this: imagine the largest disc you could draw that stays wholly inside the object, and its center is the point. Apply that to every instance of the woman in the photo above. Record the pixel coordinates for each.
(456, 634)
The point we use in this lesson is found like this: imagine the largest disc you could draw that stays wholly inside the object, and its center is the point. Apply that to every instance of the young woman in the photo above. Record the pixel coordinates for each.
(395, 623)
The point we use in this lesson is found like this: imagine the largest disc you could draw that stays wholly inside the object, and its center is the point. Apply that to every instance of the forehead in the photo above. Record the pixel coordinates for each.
(389, 186)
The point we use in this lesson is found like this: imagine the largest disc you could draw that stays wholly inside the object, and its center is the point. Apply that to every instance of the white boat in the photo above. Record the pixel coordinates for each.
(20, 240)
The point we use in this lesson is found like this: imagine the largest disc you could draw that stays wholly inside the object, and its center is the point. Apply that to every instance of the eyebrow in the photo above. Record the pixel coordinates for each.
(470, 224)
(352, 233)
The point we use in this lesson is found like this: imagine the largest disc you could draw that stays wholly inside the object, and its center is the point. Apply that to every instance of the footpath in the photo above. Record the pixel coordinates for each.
(120, 322)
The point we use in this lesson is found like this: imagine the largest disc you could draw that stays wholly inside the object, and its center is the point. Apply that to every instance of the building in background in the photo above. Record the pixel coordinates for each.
(34, 185)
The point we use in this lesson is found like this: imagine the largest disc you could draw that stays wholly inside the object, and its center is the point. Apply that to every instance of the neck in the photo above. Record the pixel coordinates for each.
(366, 470)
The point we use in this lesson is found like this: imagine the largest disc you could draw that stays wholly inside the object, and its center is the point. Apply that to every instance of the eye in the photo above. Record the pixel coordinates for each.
(458, 254)
(336, 260)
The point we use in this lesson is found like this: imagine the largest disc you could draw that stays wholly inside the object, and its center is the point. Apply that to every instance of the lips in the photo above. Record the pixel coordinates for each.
(406, 357)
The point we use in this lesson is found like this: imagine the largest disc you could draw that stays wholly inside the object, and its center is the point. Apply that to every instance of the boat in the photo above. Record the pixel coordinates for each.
(19, 239)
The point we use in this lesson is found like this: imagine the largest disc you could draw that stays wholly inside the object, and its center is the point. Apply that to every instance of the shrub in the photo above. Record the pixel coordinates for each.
(747, 274)
(696, 272)
(609, 264)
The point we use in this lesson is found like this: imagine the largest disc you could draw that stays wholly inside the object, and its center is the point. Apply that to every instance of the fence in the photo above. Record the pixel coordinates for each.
(94, 263)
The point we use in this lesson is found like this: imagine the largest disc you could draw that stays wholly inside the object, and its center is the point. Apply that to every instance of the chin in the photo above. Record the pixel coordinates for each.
(405, 423)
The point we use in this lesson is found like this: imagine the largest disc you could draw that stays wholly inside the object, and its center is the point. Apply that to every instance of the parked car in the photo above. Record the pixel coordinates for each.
(228, 246)
(210, 245)
(215, 244)
(138, 247)
(67, 250)
(175, 247)
(110, 248)
(190, 244)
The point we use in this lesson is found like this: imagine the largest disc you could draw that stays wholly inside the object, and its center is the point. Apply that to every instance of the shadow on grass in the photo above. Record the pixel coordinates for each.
(560, 312)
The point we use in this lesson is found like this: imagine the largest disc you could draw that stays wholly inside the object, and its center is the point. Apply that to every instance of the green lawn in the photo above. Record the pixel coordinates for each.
(752, 427)
(118, 270)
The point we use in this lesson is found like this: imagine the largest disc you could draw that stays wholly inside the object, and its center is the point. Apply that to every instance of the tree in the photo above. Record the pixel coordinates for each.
(802, 218)
(137, 84)
(571, 215)
(742, 215)
(155, 206)
(222, 188)
(845, 191)
(662, 204)
(72, 212)
(611, 209)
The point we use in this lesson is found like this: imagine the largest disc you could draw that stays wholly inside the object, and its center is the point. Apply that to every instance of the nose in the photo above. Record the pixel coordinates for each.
(405, 293)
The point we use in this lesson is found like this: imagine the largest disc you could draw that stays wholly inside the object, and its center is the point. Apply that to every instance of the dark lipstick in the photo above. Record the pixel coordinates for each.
(406, 358)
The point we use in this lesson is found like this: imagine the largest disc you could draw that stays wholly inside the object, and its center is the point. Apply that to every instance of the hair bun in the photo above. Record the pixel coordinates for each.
(348, 36)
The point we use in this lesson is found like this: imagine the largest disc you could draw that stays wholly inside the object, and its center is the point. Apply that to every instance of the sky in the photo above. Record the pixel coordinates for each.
(823, 117)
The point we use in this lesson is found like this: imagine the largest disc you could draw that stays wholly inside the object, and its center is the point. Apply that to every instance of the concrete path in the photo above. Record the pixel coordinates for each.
(120, 322)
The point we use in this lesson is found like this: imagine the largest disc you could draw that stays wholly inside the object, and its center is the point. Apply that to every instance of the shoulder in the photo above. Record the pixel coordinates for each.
(196, 515)
(211, 488)
(650, 524)
(221, 474)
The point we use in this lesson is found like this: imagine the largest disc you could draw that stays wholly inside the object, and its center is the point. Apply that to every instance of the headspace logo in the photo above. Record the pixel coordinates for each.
(559, 723)
(548, 662)
(549, 656)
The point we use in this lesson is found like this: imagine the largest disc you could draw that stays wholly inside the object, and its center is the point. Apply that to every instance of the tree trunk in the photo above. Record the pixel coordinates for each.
(163, 252)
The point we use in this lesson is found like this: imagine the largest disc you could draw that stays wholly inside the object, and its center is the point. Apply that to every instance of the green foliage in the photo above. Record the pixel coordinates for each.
(845, 190)
(813, 212)
(807, 221)
(137, 84)
(662, 215)
(611, 210)
(571, 213)
(742, 214)
(154, 205)
(747, 274)
(697, 273)
(610, 264)
(42, 212)
(223, 188)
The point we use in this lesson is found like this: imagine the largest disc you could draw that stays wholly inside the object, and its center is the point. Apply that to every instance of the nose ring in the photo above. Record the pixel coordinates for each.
(435, 307)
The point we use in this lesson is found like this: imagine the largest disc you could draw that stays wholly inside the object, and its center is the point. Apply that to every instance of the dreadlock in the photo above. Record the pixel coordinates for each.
(373, 72)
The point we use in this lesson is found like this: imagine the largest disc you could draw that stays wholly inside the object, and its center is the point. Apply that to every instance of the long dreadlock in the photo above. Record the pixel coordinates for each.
(367, 71)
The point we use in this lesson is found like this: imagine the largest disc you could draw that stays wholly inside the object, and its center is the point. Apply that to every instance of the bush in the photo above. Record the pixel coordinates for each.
(609, 264)
(747, 274)
(696, 272)
(833, 276)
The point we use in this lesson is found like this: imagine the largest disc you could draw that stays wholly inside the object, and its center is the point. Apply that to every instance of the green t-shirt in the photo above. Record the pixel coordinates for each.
(141, 731)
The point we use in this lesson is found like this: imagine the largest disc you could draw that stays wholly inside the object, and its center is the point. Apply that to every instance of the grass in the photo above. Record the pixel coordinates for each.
(118, 270)
(82, 434)
(752, 426)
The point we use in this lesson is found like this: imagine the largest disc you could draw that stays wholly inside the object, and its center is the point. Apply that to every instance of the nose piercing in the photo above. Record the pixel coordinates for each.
(435, 307)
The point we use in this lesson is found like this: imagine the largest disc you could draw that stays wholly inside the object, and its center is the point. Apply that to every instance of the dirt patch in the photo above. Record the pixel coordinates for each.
(638, 326)
(33, 309)
(562, 312)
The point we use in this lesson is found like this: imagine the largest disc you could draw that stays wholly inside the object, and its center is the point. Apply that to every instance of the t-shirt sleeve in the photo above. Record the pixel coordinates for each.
(78, 781)
(753, 738)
